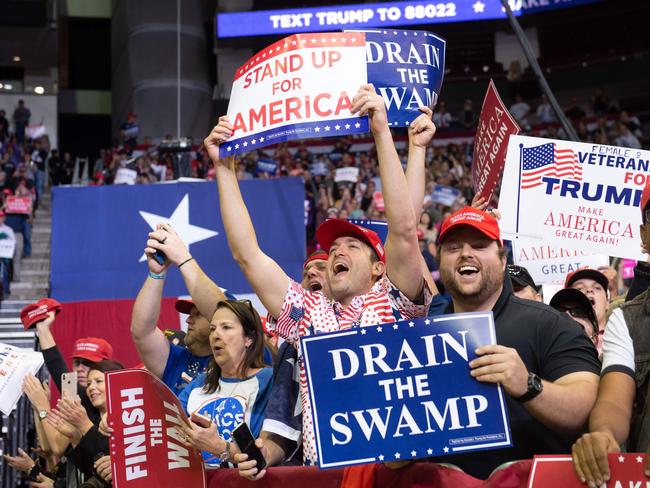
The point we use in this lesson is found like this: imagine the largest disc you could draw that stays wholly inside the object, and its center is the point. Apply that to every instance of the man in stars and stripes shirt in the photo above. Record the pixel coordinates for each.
(548, 160)
(368, 284)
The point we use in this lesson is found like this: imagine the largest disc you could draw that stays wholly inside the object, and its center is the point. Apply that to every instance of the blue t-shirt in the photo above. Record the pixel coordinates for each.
(235, 400)
(438, 305)
(181, 361)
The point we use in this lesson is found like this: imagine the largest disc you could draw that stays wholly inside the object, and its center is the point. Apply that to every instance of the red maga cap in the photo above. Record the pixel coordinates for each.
(472, 217)
(37, 311)
(320, 255)
(332, 229)
(92, 349)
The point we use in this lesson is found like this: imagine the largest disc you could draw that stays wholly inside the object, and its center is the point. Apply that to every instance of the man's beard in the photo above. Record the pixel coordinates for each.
(490, 283)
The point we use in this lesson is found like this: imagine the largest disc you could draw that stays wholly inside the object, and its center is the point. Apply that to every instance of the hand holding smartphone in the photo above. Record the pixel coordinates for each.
(200, 420)
(245, 441)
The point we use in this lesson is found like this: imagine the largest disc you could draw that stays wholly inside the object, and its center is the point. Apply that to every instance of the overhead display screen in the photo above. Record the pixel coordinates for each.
(375, 15)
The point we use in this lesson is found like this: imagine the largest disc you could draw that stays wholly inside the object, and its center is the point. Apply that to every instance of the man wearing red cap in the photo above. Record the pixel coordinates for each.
(546, 365)
(594, 285)
(176, 366)
(368, 284)
(621, 411)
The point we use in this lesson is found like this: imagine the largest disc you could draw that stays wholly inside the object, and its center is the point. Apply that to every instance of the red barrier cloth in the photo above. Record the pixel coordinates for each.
(418, 475)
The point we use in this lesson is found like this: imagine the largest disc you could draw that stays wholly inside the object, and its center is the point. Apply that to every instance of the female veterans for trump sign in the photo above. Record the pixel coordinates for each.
(299, 87)
(573, 194)
(403, 391)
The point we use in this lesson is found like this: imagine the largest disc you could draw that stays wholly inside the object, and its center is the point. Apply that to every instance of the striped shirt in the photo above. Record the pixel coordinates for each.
(307, 313)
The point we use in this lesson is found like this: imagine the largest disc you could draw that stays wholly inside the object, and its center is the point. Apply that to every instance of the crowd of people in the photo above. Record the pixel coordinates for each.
(23, 162)
(573, 373)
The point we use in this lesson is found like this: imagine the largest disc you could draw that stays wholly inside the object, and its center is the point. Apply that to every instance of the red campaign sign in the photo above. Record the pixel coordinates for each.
(146, 449)
(626, 470)
(18, 205)
(495, 126)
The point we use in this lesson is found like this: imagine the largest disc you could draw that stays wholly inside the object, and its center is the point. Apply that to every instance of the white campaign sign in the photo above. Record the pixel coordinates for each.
(574, 195)
(549, 264)
(125, 175)
(15, 364)
(7, 242)
(298, 87)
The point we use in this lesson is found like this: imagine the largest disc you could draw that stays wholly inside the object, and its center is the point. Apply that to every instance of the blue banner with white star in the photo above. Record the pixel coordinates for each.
(402, 391)
(406, 68)
(99, 234)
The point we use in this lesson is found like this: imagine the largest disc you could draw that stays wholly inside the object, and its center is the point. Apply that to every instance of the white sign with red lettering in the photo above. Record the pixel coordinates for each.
(574, 195)
(15, 364)
(298, 87)
(549, 264)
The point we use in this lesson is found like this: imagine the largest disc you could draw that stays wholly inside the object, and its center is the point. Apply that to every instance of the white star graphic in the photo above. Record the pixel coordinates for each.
(293, 43)
(316, 129)
(263, 55)
(313, 41)
(639, 459)
(337, 127)
(397, 455)
(347, 126)
(413, 453)
(245, 144)
(621, 459)
(327, 128)
(479, 7)
(253, 141)
(380, 457)
(379, 329)
(236, 146)
(277, 48)
(229, 148)
(395, 326)
(261, 139)
(429, 451)
(270, 51)
(411, 324)
(357, 125)
(363, 332)
(427, 321)
(446, 449)
(322, 39)
(180, 221)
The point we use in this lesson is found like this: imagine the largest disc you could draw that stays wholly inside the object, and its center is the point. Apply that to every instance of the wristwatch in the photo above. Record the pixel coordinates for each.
(225, 455)
(535, 387)
(42, 414)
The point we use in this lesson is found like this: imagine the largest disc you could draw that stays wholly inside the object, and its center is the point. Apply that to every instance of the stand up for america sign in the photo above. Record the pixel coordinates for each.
(403, 391)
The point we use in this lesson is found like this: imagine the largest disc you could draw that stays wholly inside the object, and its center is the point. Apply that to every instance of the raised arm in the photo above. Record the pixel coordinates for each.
(204, 292)
(403, 265)
(420, 131)
(150, 341)
(269, 281)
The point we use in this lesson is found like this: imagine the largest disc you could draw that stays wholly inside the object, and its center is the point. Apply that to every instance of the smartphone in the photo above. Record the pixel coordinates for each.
(243, 437)
(160, 257)
(69, 385)
(200, 420)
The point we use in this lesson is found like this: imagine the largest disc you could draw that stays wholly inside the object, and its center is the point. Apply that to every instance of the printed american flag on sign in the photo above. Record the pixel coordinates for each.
(548, 160)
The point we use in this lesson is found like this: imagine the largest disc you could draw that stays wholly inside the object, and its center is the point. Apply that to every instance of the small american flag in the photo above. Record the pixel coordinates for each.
(548, 160)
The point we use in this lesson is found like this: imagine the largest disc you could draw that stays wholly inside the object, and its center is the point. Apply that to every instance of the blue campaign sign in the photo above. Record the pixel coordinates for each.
(402, 391)
(99, 234)
(445, 195)
(378, 226)
(267, 166)
(375, 15)
(406, 68)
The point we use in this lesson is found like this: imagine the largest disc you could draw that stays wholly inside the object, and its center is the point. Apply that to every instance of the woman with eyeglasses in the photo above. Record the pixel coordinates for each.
(234, 389)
